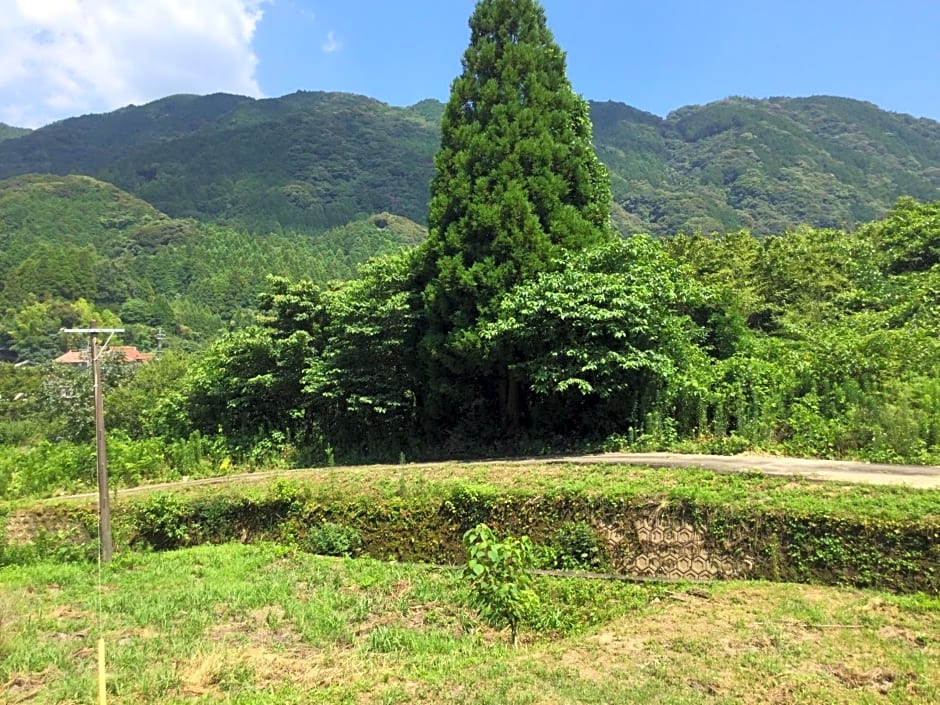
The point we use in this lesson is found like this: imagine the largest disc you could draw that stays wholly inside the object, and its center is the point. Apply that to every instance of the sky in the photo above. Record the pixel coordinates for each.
(62, 58)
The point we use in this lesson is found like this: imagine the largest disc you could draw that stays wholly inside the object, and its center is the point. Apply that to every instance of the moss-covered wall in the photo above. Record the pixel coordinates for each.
(643, 536)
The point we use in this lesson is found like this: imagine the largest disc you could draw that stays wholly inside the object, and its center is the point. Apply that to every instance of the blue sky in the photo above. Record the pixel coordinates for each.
(66, 57)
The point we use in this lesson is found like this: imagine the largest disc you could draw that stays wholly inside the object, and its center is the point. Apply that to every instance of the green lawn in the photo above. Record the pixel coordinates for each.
(262, 624)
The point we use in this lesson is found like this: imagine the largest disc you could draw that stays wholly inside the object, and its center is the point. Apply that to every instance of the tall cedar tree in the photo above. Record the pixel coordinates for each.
(517, 183)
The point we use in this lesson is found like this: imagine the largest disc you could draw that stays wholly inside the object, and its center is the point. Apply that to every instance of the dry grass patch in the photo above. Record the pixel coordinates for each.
(22, 687)
(242, 624)
(226, 668)
(770, 643)
(260, 651)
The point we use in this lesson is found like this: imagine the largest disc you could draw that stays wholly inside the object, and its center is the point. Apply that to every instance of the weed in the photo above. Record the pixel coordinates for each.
(575, 546)
(330, 539)
(162, 521)
(388, 639)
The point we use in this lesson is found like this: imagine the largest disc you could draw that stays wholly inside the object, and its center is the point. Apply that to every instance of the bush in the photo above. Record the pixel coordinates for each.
(575, 546)
(329, 539)
(162, 521)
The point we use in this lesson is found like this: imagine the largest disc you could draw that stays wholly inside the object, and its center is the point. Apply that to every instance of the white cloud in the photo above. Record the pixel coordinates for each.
(60, 58)
(331, 44)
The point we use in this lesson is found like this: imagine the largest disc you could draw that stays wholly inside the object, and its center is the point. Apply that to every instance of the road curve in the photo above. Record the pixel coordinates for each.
(921, 476)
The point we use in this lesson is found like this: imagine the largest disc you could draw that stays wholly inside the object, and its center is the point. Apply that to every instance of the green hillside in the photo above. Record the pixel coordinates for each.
(307, 161)
(73, 248)
(9, 132)
(794, 309)
(311, 161)
(766, 165)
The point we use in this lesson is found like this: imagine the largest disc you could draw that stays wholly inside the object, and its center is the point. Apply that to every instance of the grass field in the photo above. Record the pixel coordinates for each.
(262, 624)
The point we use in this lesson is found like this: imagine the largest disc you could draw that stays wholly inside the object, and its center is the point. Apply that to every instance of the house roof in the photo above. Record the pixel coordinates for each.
(114, 353)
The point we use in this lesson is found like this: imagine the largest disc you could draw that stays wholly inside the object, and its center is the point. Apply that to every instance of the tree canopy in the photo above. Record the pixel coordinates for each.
(517, 184)
(521, 323)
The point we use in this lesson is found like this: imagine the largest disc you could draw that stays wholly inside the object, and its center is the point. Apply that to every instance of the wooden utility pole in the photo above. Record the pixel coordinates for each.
(104, 501)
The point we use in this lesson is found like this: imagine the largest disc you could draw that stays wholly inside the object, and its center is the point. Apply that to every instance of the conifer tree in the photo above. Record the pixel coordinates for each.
(517, 183)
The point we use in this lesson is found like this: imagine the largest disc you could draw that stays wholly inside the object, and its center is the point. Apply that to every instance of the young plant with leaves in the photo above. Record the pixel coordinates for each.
(497, 573)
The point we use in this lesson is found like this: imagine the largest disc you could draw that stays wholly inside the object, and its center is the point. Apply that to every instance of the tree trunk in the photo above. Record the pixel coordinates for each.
(511, 403)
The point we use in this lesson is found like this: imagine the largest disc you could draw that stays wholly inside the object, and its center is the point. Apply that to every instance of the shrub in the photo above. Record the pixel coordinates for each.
(497, 573)
(162, 521)
(329, 539)
(575, 546)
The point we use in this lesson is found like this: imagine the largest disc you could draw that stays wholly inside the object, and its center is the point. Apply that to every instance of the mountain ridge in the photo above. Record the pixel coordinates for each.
(314, 160)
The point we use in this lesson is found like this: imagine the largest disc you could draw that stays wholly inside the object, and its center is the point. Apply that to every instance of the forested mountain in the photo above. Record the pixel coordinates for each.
(765, 165)
(310, 161)
(521, 321)
(8, 132)
(73, 249)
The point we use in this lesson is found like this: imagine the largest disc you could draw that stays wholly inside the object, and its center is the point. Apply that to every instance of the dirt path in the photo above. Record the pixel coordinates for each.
(920, 476)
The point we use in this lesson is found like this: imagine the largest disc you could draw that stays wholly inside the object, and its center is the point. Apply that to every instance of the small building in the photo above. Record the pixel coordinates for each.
(112, 353)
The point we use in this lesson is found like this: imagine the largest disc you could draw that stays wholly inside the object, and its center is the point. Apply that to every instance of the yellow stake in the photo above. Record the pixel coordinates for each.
(102, 679)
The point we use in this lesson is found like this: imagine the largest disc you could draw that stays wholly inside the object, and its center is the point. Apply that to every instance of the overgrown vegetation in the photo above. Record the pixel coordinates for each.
(812, 343)
(575, 545)
(77, 250)
(521, 324)
(581, 518)
(817, 343)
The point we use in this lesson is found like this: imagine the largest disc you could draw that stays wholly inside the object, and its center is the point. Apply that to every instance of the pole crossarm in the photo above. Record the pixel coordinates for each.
(89, 331)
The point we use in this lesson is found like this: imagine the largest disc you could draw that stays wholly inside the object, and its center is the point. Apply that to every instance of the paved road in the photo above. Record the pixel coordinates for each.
(922, 476)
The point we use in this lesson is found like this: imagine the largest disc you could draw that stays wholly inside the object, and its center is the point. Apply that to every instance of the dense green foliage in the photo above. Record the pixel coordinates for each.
(600, 342)
(421, 349)
(73, 250)
(824, 342)
(814, 342)
(323, 365)
(517, 185)
(310, 161)
(521, 324)
(765, 165)
(307, 161)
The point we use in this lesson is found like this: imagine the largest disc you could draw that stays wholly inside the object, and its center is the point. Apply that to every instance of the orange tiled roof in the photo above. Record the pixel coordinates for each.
(114, 353)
